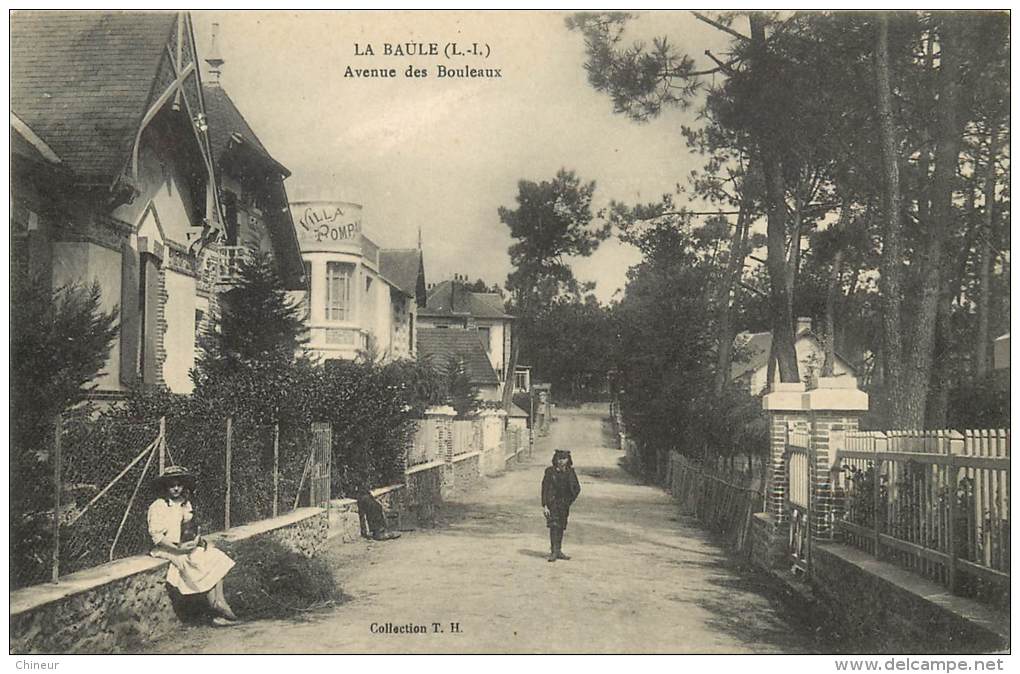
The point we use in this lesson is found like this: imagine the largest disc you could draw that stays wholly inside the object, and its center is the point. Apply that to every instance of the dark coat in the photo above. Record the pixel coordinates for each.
(559, 490)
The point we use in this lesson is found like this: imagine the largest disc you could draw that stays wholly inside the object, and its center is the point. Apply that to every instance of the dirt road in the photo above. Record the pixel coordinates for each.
(643, 579)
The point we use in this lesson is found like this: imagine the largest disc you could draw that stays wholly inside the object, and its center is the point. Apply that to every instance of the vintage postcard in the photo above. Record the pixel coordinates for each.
(511, 332)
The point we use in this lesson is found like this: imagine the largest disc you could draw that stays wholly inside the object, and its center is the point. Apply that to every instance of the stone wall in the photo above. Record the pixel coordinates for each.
(889, 610)
(467, 472)
(118, 606)
(424, 494)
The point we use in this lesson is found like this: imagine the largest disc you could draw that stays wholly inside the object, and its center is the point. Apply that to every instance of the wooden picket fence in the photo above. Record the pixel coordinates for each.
(935, 502)
(724, 501)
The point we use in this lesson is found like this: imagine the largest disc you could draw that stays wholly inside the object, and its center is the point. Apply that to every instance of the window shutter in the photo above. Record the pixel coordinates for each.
(129, 318)
(150, 357)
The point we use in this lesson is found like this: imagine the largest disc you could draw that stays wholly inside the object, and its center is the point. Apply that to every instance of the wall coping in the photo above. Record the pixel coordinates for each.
(466, 456)
(440, 411)
(424, 466)
(968, 610)
(834, 394)
(239, 533)
(30, 598)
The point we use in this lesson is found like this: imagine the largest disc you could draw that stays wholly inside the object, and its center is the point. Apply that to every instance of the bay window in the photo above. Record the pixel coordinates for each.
(338, 291)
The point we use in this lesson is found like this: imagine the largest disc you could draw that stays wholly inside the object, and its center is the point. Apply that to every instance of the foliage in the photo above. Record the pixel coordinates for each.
(270, 580)
(786, 97)
(553, 220)
(570, 345)
(256, 322)
(664, 355)
(60, 340)
(462, 394)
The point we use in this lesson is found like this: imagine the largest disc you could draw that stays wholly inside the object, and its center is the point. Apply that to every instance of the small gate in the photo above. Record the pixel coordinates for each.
(320, 465)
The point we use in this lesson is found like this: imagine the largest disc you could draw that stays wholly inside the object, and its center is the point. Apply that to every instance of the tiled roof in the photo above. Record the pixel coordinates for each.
(225, 120)
(401, 267)
(443, 344)
(452, 298)
(81, 81)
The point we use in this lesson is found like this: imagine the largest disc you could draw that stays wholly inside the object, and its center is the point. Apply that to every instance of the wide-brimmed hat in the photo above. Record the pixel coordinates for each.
(176, 473)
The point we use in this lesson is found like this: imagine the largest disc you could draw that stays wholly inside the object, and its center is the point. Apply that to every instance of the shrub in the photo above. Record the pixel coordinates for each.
(269, 580)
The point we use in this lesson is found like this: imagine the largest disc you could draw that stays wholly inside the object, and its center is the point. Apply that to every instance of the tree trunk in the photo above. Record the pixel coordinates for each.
(734, 268)
(830, 315)
(891, 270)
(947, 157)
(985, 260)
(776, 263)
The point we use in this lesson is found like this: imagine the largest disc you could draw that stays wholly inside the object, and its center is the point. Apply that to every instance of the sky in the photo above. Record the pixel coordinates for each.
(445, 154)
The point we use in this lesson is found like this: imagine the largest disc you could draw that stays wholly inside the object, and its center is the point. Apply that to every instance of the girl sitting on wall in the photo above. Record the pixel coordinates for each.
(196, 567)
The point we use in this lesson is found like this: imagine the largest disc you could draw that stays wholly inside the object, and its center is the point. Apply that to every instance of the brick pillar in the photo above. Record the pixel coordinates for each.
(788, 411)
(835, 408)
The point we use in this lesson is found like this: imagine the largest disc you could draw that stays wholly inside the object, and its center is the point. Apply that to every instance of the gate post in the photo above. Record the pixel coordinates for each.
(441, 417)
(835, 408)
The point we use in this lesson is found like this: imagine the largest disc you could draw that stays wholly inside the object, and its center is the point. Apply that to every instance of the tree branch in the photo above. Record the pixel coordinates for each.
(723, 28)
(750, 287)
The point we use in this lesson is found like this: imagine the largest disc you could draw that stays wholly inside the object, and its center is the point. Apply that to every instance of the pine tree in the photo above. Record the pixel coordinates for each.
(256, 324)
(463, 394)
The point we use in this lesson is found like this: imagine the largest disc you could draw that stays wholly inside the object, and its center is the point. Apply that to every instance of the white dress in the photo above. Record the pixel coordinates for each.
(190, 572)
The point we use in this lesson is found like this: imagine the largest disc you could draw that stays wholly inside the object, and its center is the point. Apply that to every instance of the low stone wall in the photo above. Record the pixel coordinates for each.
(768, 541)
(467, 472)
(891, 610)
(492, 461)
(424, 493)
(120, 605)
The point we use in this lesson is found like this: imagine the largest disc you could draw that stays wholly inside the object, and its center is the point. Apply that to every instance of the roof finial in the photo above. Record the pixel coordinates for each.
(214, 59)
(419, 237)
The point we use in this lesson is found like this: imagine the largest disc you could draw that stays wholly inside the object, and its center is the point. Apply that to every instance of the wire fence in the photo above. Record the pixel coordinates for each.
(93, 480)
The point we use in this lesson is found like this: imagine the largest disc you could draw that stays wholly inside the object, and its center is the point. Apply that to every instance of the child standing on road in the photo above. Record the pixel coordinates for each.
(559, 490)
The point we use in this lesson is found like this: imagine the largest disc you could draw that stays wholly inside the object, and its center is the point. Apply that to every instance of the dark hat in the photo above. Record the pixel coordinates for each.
(562, 454)
(174, 474)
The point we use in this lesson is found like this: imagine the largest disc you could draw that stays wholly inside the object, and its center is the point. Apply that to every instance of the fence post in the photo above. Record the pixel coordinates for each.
(226, 497)
(276, 469)
(56, 496)
(881, 444)
(955, 449)
(162, 445)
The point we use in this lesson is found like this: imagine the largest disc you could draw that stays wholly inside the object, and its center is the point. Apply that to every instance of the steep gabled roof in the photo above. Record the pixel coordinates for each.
(452, 298)
(225, 120)
(401, 266)
(756, 347)
(81, 81)
(443, 344)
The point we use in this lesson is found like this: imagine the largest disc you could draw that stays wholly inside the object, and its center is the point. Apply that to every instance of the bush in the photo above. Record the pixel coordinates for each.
(269, 580)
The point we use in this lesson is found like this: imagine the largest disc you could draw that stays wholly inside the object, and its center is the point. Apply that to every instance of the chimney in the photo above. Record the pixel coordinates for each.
(803, 324)
(214, 60)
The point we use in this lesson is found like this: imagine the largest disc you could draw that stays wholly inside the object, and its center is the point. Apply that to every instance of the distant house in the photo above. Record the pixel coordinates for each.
(353, 304)
(443, 346)
(451, 305)
(753, 370)
(114, 179)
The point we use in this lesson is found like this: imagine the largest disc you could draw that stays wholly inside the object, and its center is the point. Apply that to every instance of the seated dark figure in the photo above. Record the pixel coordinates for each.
(371, 511)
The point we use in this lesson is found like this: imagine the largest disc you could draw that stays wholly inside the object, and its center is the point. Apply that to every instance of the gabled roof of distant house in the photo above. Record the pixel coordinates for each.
(443, 344)
(517, 412)
(81, 81)
(228, 128)
(401, 266)
(452, 298)
(757, 346)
